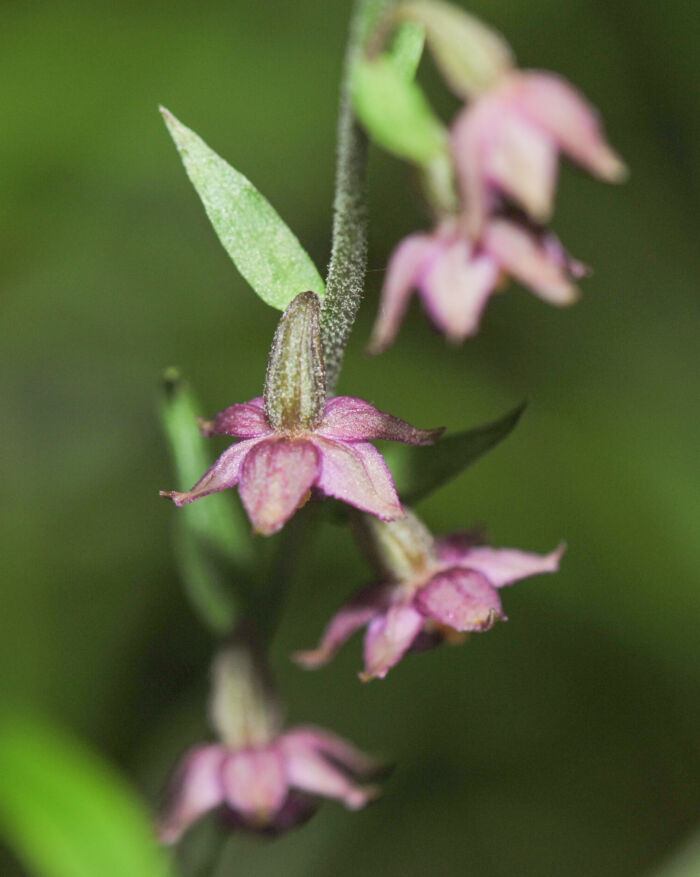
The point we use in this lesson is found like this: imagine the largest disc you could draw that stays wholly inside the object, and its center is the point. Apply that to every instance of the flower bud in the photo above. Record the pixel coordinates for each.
(295, 383)
(400, 550)
(470, 56)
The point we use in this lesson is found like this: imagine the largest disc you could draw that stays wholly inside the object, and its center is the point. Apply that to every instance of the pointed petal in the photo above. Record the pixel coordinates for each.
(275, 479)
(243, 420)
(255, 783)
(457, 288)
(195, 788)
(522, 162)
(530, 262)
(503, 566)
(407, 263)
(461, 599)
(311, 772)
(354, 614)
(572, 121)
(472, 132)
(224, 473)
(388, 638)
(329, 745)
(350, 419)
(357, 474)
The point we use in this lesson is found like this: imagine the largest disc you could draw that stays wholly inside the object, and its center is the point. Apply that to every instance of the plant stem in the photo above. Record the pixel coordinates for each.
(346, 271)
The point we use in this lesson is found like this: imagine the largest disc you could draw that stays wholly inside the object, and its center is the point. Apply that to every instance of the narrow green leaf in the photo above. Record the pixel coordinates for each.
(684, 861)
(262, 246)
(213, 545)
(67, 813)
(407, 49)
(419, 471)
(395, 112)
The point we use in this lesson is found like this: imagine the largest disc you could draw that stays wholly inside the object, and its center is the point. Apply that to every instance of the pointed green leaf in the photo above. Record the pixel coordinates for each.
(419, 471)
(67, 813)
(213, 544)
(395, 112)
(262, 246)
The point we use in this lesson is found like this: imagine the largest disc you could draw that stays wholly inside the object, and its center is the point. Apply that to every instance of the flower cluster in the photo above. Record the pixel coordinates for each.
(297, 441)
(504, 147)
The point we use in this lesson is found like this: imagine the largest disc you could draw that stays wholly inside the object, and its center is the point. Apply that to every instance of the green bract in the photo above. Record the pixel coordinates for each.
(262, 246)
(395, 112)
(407, 48)
(419, 471)
(66, 813)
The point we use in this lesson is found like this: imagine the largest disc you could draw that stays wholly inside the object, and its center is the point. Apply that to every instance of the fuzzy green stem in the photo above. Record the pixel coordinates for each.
(346, 271)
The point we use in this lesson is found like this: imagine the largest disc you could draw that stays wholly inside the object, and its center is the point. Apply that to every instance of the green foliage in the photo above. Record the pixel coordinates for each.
(66, 813)
(212, 538)
(395, 112)
(407, 49)
(419, 471)
(262, 246)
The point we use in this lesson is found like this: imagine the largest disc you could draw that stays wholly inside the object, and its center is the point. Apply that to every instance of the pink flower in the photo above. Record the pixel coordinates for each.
(293, 440)
(507, 141)
(439, 590)
(456, 277)
(269, 787)
(257, 776)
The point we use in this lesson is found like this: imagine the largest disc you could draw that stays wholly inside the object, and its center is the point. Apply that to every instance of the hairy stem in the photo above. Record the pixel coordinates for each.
(346, 271)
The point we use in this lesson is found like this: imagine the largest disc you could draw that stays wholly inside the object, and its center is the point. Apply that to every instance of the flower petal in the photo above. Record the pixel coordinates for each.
(571, 120)
(407, 263)
(243, 420)
(530, 260)
(357, 474)
(275, 479)
(472, 132)
(457, 288)
(224, 473)
(461, 599)
(311, 772)
(388, 638)
(195, 788)
(329, 745)
(354, 614)
(504, 566)
(255, 784)
(522, 162)
(350, 419)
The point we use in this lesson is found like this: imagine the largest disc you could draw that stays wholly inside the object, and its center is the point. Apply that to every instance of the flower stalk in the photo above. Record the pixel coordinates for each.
(348, 262)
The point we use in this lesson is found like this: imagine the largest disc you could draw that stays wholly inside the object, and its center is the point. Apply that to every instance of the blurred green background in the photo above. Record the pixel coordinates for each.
(562, 743)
